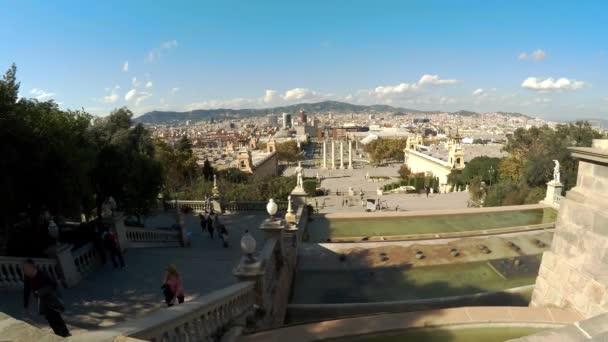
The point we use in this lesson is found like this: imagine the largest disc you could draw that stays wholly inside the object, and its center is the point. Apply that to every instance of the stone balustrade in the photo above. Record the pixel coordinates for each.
(146, 237)
(203, 319)
(11, 271)
(252, 206)
(86, 258)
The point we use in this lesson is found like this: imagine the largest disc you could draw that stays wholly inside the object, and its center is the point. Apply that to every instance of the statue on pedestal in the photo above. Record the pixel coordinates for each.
(299, 170)
(556, 173)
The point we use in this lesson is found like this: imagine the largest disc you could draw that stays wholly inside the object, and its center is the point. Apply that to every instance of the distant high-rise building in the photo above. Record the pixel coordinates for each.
(303, 117)
(273, 120)
(286, 120)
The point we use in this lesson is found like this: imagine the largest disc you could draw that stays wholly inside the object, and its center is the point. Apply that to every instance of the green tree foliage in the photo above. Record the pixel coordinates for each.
(383, 150)
(484, 168)
(125, 167)
(310, 186)
(524, 173)
(207, 170)
(404, 171)
(178, 165)
(67, 162)
(288, 151)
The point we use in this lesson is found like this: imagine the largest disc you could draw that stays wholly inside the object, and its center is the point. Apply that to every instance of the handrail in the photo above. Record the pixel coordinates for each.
(11, 273)
(201, 319)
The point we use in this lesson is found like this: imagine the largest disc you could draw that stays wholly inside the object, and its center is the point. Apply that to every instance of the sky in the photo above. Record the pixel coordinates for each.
(548, 59)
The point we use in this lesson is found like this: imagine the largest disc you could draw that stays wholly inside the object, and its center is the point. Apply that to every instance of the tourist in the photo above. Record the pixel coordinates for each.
(223, 234)
(111, 244)
(210, 225)
(45, 289)
(397, 207)
(203, 222)
(172, 286)
(427, 189)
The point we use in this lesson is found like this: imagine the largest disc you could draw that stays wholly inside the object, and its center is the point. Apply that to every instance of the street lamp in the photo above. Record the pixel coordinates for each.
(491, 173)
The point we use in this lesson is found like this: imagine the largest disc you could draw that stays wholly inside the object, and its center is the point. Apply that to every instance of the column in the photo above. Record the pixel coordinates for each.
(350, 154)
(333, 154)
(341, 155)
(324, 154)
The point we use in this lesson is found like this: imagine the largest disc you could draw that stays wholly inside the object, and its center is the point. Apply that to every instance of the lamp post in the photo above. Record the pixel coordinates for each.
(491, 173)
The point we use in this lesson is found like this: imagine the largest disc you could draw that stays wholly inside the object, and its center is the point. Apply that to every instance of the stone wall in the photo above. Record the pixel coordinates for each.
(574, 273)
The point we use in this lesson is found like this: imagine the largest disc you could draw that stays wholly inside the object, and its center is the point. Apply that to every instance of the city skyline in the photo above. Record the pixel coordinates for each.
(541, 59)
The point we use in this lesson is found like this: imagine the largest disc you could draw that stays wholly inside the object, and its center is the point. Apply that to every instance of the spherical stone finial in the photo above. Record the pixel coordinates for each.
(248, 243)
(272, 207)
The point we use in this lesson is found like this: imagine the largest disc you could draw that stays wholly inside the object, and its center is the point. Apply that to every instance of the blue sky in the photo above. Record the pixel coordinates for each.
(544, 58)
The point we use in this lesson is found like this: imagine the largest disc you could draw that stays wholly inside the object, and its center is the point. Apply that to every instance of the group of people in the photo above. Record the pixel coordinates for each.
(211, 224)
(45, 289)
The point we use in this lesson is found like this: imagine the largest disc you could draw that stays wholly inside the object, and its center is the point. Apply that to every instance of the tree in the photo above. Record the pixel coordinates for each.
(404, 171)
(381, 150)
(288, 151)
(207, 171)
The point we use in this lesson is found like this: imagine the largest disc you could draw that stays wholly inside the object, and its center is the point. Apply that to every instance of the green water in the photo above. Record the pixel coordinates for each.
(320, 230)
(499, 334)
(392, 284)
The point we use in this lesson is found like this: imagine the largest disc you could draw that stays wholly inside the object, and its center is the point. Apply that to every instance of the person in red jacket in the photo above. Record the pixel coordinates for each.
(172, 286)
(45, 288)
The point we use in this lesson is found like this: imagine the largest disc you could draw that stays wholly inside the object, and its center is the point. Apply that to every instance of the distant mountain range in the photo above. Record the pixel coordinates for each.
(162, 117)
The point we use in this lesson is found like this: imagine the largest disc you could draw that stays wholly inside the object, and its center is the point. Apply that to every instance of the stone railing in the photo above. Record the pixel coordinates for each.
(11, 271)
(235, 206)
(203, 319)
(196, 206)
(86, 258)
(146, 237)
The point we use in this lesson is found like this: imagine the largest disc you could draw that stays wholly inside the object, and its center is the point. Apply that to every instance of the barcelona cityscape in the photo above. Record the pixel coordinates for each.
(251, 171)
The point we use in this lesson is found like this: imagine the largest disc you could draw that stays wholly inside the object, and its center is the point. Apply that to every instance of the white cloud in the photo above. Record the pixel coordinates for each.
(137, 96)
(113, 97)
(154, 54)
(125, 66)
(40, 94)
(135, 82)
(478, 92)
(551, 84)
(173, 90)
(270, 96)
(537, 55)
(149, 84)
(543, 100)
(434, 80)
(168, 44)
(299, 94)
(404, 88)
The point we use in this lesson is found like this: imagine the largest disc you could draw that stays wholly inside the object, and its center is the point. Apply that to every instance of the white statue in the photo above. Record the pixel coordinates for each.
(556, 171)
(299, 175)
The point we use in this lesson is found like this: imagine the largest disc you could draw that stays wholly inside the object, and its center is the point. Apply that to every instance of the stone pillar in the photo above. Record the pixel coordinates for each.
(574, 272)
(350, 154)
(121, 230)
(67, 265)
(273, 228)
(324, 154)
(554, 194)
(333, 154)
(341, 155)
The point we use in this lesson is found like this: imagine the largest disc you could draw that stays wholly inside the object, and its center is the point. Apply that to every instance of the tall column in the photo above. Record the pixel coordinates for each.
(350, 154)
(324, 154)
(341, 155)
(333, 154)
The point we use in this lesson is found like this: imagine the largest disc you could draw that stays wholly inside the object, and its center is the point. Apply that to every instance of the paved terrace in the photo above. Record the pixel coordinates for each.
(341, 180)
(108, 296)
